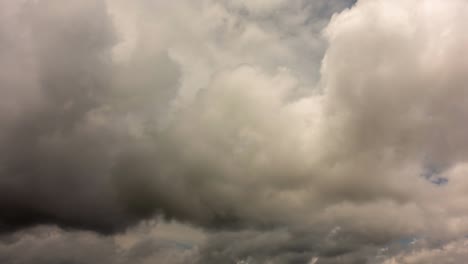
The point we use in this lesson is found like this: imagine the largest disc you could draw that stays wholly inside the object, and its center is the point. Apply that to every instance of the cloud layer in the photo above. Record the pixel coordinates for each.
(279, 131)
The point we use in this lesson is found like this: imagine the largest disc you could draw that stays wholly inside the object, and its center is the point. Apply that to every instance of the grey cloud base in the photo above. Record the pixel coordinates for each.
(278, 131)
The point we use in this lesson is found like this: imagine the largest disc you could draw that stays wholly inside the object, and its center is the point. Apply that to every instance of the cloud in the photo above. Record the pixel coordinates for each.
(46, 244)
(423, 252)
(168, 242)
(237, 118)
(97, 136)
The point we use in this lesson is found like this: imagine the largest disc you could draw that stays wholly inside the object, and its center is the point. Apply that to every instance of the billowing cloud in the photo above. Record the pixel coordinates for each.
(280, 131)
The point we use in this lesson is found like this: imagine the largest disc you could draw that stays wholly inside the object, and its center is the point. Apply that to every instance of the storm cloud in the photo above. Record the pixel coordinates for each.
(272, 131)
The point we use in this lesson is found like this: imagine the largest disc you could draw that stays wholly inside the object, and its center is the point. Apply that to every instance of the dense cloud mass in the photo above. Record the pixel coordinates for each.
(244, 132)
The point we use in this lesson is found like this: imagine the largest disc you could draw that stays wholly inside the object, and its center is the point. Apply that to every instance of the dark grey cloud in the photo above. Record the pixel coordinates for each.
(85, 151)
(52, 165)
(215, 114)
(57, 155)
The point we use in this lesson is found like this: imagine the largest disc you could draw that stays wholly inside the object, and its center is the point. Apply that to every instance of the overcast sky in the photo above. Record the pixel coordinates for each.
(233, 131)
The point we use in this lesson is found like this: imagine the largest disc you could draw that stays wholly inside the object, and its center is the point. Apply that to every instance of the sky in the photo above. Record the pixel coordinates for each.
(233, 131)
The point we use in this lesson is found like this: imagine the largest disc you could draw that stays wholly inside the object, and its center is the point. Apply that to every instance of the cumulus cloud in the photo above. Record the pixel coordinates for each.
(281, 131)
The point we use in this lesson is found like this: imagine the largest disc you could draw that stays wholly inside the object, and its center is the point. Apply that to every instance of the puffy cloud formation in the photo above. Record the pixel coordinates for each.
(264, 131)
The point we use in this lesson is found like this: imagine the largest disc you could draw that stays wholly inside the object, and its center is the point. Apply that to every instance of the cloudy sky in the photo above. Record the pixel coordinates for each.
(233, 131)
